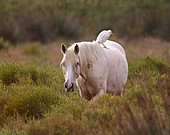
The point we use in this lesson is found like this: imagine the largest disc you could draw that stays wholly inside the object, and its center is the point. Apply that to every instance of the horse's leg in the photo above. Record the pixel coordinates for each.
(120, 93)
(83, 89)
(99, 87)
(100, 93)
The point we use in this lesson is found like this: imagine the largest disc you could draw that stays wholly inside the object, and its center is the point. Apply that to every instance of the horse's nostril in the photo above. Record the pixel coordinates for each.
(72, 85)
(66, 85)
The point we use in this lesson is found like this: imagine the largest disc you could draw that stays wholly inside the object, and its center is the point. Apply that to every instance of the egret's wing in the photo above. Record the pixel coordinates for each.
(102, 36)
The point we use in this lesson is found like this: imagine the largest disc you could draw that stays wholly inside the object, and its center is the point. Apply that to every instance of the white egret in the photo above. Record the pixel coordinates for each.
(103, 36)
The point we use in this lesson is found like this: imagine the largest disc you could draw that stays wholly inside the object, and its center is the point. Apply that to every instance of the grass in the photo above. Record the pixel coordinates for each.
(32, 49)
(33, 101)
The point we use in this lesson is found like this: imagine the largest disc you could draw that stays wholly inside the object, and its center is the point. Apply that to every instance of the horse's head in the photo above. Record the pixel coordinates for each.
(70, 65)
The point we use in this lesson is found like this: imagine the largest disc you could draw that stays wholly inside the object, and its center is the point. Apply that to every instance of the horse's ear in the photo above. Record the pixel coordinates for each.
(63, 48)
(76, 49)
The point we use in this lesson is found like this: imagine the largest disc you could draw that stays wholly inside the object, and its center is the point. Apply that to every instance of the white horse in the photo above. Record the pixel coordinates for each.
(96, 70)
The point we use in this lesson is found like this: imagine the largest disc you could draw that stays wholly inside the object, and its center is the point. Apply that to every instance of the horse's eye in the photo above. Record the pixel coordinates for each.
(77, 64)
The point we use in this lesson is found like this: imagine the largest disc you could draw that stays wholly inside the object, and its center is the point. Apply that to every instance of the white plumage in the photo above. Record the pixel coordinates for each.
(103, 36)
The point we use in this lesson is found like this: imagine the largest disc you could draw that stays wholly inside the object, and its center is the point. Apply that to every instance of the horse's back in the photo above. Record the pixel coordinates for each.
(114, 45)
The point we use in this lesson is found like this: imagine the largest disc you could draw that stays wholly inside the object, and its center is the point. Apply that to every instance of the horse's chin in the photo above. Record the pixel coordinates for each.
(71, 89)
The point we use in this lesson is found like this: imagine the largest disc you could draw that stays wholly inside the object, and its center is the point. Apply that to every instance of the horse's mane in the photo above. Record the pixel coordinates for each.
(89, 52)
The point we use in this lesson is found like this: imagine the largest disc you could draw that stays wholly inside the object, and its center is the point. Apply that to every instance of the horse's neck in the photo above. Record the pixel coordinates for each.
(83, 71)
(83, 67)
(88, 55)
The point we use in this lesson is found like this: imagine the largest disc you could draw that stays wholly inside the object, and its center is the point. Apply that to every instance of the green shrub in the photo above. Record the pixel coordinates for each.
(150, 72)
(144, 108)
(11, 73)
(30, 101)
(8, 73)
(148, 63)
(27, 90)
(3, 43)
(32, 49)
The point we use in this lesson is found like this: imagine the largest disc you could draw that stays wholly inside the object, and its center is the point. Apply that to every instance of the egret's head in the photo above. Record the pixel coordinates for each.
(110, 32)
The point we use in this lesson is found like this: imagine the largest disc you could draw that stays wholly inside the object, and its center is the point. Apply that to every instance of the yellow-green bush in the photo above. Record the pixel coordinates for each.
(28, 74)
(144, 108)
(32, 49)
(3, 43)
(148, 63)
(30, 101)
(27, 90)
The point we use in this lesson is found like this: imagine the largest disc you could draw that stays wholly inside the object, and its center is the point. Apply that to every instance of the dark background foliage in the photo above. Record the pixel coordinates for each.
(48, 20)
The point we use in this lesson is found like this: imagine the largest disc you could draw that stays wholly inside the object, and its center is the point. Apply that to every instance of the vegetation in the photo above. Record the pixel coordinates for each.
(32, 49)
(3, 43)
(32, 97)
(33, 101)
(48, 20)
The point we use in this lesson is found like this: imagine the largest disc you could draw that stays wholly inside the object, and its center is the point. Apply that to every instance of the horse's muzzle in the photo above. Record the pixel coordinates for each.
(70, 89)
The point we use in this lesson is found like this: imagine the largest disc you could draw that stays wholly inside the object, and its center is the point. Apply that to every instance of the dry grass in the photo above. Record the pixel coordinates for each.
(148, 47)
(33, 101)
(50, 53)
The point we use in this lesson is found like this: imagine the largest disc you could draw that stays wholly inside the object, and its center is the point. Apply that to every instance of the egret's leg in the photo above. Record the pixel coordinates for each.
(104, 46)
